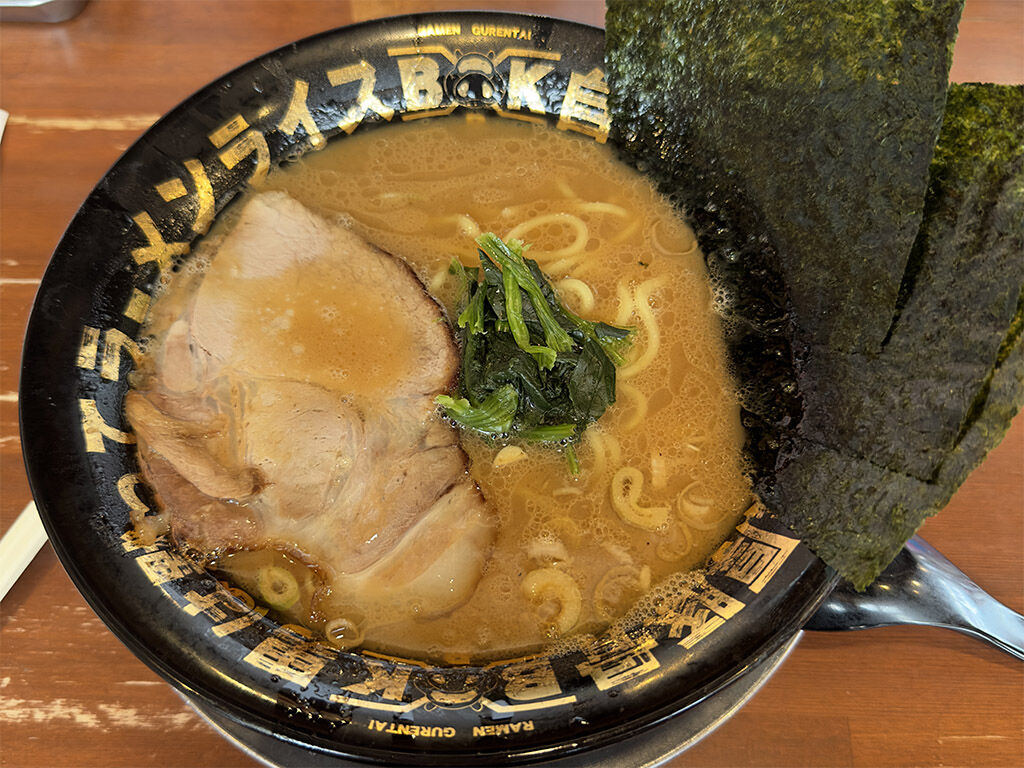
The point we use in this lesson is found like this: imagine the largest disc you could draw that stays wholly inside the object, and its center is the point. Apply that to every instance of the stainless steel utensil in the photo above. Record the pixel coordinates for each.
(922, 587)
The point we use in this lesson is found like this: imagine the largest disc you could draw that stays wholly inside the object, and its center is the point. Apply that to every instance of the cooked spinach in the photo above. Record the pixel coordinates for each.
(492, 417)
(531, 368)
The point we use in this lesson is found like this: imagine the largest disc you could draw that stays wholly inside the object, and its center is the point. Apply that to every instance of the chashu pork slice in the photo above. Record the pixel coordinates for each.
(313, 360)
(290, 295)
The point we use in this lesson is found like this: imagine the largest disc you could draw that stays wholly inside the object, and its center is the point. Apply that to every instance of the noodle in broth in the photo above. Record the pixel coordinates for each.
(662, 477)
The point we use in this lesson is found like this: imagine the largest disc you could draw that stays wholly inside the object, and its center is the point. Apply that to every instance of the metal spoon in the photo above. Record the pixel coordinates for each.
(922, 587)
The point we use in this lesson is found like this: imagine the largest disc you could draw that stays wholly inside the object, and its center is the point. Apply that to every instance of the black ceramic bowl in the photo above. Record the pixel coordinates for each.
(141, 219)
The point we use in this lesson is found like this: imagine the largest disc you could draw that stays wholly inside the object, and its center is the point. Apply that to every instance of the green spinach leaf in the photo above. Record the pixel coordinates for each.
(532, 369)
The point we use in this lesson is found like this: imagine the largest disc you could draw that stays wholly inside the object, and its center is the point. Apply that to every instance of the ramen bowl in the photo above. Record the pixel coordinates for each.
(214, 643)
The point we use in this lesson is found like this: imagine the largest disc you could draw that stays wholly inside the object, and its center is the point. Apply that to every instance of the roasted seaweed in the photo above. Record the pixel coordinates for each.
(942, 391)
(824, 114)
(956, 303)
(879, 288)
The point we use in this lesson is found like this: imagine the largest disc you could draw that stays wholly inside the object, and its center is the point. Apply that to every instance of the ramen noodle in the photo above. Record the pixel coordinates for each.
(661, 480)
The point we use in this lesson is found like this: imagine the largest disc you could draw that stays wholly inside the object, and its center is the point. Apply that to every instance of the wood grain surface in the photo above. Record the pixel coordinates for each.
(80, 92)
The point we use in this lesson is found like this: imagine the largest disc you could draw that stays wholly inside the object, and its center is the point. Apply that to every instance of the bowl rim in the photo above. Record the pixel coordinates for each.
(64, 499)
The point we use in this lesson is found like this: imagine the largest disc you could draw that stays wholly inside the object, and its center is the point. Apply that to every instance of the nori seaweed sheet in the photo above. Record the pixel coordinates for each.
(999, 400)
(825, 114)
(855, 435)
(956, 303)
(900, 410)
(950, 376)
(871, 511)
(854, 514)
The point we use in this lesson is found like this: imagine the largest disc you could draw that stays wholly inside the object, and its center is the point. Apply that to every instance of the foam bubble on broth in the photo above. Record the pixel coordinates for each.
(419, 190)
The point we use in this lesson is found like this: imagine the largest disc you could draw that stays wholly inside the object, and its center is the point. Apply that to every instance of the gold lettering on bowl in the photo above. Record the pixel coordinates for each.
(138, 306)
(246, 143)
(383, 682)
(414, 731)
(585, 106)
(126, 490)
(503, 729)
(205, 202)
(421, 86)
(132, 542)
(522, 84)
(172, 189)
(288, 656)
(530, 681)
(88, 347)
(95, 428)
(754, 556)
(702, 611)
(366, 102)
(497, 30)
(165, 565)
(298, 114)
(611, 663)
(156, 249)
(438, 28)
(114, 341)
(228, 613)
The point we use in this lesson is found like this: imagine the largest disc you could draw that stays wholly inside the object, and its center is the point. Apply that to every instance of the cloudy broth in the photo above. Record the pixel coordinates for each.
(661, 480)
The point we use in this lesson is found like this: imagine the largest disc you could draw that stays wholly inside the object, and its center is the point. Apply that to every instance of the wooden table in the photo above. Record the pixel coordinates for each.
(70, 695)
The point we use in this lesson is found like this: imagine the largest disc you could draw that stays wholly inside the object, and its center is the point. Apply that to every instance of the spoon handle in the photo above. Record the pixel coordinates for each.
(922, 587)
